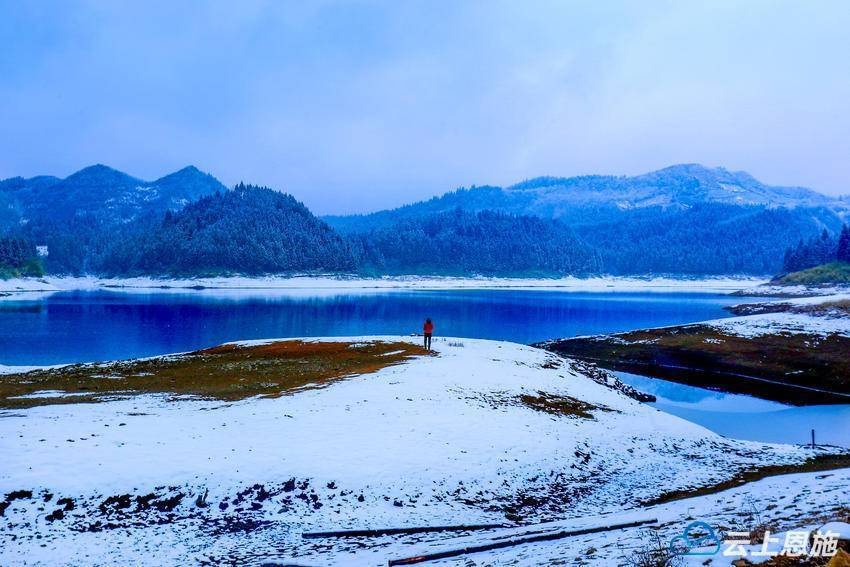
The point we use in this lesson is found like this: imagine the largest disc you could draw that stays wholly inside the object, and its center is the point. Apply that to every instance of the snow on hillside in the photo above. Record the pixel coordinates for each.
(484, 432)
(786, 502)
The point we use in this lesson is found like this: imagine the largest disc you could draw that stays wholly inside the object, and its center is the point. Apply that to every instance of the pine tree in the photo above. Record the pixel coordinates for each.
(843, 254)
(823, 253)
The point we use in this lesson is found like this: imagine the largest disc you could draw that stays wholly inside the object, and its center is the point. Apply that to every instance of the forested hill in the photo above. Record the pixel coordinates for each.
(708, 238)
(485, 243)
(248, 230)
(254, 231)
(76, 218)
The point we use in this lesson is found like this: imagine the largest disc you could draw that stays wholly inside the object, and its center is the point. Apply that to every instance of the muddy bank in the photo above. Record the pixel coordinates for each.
(226, 372)
(798, 369)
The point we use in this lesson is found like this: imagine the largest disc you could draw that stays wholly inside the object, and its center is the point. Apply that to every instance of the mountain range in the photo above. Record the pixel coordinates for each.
(594, 198)
(684, 219)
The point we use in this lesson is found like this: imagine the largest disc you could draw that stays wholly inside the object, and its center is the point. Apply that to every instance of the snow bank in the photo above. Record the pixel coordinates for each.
(607, 283)
(782, 323)
(774, 290)
(21, 285)
(804, 321)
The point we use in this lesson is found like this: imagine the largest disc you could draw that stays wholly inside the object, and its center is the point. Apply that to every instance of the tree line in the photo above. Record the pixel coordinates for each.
(483, 243)
(818, 250)
(19, 257)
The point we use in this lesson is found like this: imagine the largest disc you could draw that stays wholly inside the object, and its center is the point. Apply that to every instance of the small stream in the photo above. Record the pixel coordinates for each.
(746, 417)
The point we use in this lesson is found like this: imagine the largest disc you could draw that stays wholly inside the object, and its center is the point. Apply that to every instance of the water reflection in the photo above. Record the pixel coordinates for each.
(745, 417)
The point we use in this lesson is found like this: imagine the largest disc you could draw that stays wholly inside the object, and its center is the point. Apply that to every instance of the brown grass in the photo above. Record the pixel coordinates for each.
(554, 404)
(226, 372)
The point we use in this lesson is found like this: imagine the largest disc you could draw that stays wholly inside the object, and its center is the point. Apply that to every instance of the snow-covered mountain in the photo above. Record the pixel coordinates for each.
(102, 191)
(682, 185)
(601, 197)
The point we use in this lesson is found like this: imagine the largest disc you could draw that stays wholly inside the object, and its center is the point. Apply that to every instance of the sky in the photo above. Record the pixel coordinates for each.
(355, 106)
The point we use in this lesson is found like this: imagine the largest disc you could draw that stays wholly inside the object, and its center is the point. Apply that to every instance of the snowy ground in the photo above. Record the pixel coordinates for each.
(608, 283)
(442, 439)
(785, 503)
(782, 323)
(800, 317)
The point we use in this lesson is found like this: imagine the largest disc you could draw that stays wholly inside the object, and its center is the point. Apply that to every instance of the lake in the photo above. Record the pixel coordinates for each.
(83, 326)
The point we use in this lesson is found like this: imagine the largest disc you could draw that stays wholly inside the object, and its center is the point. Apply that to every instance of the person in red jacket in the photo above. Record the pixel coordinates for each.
(428, 330)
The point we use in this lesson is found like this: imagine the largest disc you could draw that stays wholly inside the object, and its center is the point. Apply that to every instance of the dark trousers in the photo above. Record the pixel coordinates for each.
(428, 341)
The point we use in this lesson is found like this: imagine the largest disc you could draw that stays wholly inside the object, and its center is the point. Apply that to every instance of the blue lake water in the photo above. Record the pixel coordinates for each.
(745, 417)
(107, 325)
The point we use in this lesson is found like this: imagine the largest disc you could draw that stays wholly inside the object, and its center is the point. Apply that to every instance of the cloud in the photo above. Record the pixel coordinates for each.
(359, 105)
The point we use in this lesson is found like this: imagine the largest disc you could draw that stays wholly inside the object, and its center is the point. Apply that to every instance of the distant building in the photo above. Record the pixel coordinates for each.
(42, 251)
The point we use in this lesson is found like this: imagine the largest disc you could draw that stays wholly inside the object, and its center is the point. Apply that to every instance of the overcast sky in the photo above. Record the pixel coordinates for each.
(356, 106)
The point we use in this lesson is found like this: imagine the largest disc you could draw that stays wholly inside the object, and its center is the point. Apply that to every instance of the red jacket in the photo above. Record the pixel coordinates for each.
(428, 328)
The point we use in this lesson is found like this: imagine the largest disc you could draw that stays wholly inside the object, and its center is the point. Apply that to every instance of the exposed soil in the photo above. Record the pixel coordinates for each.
(226, 372)
(781, 367)
(813, 464)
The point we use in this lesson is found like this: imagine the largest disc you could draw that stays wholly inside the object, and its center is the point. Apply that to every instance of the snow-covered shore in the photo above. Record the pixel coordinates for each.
(819, 315)
(792, 291)
(444, 439)
(607, 283)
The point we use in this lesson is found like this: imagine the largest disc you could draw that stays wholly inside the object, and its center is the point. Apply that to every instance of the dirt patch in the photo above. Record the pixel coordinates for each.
(562, 406)
(226, 372)
(814, 464)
